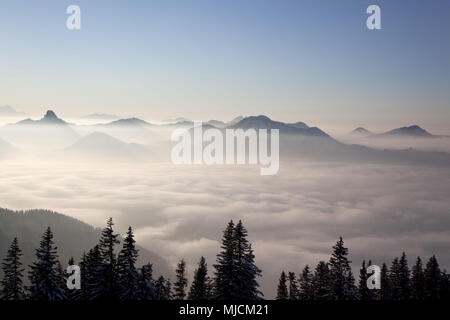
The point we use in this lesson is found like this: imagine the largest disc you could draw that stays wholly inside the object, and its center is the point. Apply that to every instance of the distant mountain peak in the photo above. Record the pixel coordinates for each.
(130, 122)
(264, 122)
(411, 131)
(361, 132)
(51, 117)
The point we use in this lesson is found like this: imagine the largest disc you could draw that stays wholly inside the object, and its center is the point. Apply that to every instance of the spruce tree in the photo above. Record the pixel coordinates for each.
(364, 292)
(405, 286)
(127, 275)
(93, 278)
(394, 280)
(417, 281)
(81, 294)
(181, 282)
(306, 288)
(108, 281)
(236, 273)
(432, 279)
(45, 277)
(293, 287)
(224, 268)
(246, 272)
(321, 283)
(12, 284)
(146, 283)
(341, 274)
(385, 292)
(282, 291)
(199, 286)
(163, 289)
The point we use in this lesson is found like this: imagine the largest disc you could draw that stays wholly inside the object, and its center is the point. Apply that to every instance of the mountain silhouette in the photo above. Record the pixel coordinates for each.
(411, 131)
(360, 131)
(72, 237)
(264, 122)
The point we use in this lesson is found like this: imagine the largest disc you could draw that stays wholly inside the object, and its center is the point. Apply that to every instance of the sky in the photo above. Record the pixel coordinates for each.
(311, 61)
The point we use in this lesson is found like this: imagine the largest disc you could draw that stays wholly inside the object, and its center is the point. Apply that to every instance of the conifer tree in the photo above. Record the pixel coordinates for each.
(146, 283)
(81, 294)
(385, 292)
(432, 279)
(12, 283)
(364, 292)
(163, 289)
(405, 286)
(127, 275)
(322, 284)
(108, 281)
(199, 286)
(45, 277)
(306, 288)
(341, 273)
(224, 274)
(394, 280)
(282, 291)
(93, 287)
(181, 282)
(245, 271)
(417, 281)
(293, 287)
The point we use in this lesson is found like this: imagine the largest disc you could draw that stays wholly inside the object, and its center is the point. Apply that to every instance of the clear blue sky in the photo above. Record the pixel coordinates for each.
(293, 60)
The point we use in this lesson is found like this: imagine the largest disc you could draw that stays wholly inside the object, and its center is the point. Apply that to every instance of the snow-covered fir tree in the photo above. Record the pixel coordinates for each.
(180, 285)
(385, 292)
(11, 286)
(282, 290)
(93, 280)
(225, 282)
(246, 272)
(321, 283)
(343, 282)
(127, 275)
(45, 278)
(199, 286)
(417, 281)
(432, 279)
(293, 286)
(108, 275)
(146, 283)
(364, 291)
(306, 287)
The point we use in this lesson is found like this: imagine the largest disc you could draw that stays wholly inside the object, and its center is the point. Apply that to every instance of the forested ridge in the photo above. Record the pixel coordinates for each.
(109, 271)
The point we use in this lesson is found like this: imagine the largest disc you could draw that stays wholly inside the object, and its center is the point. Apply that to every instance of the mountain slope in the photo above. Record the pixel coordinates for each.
(102, 145)
(48, 133)
(361, 132)
(411, 131)
(72, 237)
(263, 122)
(129, 122)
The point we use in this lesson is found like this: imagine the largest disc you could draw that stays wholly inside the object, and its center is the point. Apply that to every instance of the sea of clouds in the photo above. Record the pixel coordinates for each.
(293, 218)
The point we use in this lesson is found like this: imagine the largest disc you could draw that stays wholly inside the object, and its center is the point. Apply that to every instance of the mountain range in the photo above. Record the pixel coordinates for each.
(134, 138)
(413, 131)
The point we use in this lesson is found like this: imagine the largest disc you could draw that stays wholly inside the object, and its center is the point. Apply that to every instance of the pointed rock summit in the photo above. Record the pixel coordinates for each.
(52, 118)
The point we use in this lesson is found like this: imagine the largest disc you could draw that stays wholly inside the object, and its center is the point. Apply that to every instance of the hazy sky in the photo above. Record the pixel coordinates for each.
(312, 61)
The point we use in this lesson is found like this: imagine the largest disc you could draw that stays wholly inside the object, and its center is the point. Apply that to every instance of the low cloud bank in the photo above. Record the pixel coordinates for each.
(293, 218)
